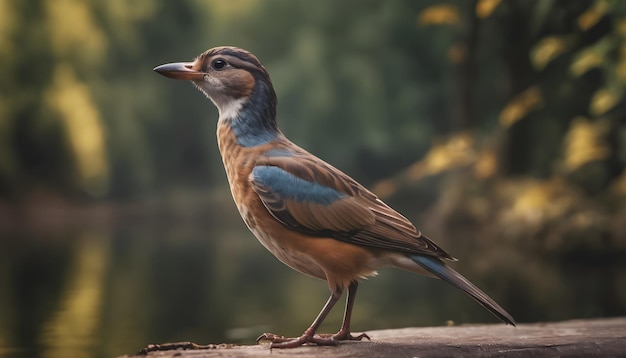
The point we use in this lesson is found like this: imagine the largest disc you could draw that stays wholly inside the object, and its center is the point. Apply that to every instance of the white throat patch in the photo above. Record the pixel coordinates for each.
(231, 109)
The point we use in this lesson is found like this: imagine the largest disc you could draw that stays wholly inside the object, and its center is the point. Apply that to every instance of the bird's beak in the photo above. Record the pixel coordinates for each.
(179, 71)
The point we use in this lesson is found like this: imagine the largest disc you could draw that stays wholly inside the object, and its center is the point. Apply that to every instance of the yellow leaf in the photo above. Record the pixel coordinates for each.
(439, 15)
(584, 142)
(591, 17)
(484, 8)
(521, 105)
(585, 61)
(548, 49)
(537, 201)
(455, 152)
(603, 100)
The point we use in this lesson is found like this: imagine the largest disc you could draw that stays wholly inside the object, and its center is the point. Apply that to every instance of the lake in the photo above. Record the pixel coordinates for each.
(104, 284)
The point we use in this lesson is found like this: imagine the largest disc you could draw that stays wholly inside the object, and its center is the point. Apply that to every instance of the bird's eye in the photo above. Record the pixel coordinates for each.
(219, 64)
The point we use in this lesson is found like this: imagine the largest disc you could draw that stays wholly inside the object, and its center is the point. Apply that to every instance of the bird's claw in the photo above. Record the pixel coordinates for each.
(274, 338)
(349, 337)
(285, 342)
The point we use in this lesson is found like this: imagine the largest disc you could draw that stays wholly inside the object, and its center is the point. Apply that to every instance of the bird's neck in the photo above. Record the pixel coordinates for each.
(252, 120)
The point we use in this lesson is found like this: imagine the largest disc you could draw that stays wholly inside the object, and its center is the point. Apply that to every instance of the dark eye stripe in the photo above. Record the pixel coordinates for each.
(244, 64)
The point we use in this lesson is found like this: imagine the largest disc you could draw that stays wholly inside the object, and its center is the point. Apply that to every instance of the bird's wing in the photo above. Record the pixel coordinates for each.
(310, 196)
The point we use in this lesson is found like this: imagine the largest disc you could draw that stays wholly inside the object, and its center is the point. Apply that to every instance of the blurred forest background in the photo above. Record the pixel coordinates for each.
(496, 126)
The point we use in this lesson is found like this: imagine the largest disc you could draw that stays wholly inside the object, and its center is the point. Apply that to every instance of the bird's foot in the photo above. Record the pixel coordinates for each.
(286, 342)
(346, 336)
(308, 338)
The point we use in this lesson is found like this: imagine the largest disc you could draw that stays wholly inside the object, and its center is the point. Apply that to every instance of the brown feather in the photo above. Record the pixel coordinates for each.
(360, 218)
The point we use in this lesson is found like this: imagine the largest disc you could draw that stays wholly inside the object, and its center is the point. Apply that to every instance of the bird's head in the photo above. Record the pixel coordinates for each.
(231, 77)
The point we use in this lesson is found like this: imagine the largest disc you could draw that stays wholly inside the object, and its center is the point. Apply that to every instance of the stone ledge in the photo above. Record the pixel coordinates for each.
(591, 337)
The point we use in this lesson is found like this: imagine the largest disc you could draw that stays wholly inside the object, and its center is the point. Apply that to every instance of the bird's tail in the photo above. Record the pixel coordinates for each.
(444, 272)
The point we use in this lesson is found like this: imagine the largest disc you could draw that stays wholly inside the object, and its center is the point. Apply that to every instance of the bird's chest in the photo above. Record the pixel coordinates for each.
(238, 163)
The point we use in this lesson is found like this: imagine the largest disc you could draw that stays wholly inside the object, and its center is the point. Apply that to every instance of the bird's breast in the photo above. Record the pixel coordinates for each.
(326, 258)
(278, 241)
(238, 163)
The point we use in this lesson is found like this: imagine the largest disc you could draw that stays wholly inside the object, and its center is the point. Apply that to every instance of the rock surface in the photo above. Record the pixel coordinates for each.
(584, 338)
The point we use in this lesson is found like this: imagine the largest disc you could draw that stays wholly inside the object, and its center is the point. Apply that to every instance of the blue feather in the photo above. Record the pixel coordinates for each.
(290, 187)
(432, 264)
(250, 132)
(256, 124)
(438, 268)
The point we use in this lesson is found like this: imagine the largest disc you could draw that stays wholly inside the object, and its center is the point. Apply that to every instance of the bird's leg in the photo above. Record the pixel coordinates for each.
(309, 335)
(344, 332)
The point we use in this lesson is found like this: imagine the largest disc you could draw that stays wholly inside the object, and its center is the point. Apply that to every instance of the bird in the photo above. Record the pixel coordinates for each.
(313, 217)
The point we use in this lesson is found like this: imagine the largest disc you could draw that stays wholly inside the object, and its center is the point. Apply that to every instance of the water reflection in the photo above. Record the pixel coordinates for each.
(105, 291)
(72, 328)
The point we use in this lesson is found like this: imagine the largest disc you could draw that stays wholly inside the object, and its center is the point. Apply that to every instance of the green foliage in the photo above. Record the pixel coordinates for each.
(359, 76)
(496, 126)
(393, 92)
(365, 84)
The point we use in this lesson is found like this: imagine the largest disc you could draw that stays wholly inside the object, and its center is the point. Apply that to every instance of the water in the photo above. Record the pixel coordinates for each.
(110, 288)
